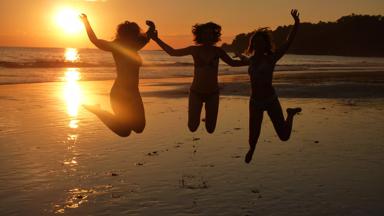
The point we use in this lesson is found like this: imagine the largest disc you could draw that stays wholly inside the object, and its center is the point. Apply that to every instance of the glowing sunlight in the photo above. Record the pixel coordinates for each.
(72, 94)
(68, 20)
(71, 55)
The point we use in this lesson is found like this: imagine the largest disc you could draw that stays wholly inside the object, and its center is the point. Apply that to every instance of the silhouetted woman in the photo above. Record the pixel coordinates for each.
(204, 88)
(264, 98)
(128, 110)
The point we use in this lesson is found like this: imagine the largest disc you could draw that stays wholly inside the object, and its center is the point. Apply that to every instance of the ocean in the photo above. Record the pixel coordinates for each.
(33, 65)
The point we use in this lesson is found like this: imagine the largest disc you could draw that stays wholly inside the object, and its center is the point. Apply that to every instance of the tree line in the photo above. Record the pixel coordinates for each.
(353, 35)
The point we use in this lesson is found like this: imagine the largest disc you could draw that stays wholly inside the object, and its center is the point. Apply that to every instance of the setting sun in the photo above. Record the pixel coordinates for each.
(68, 20)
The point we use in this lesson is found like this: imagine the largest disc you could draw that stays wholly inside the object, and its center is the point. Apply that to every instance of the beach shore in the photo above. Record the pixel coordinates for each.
(305, 84)
(57, 158)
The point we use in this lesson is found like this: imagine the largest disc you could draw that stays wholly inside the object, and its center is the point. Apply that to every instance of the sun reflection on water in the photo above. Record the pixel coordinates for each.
(73, 123)
(72, 90)
(72, 94)
(71, 55)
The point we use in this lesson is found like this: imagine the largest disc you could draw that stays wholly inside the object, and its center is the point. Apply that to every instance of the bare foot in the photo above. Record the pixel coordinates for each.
(293, 111)
(248, 156)
(93, 108)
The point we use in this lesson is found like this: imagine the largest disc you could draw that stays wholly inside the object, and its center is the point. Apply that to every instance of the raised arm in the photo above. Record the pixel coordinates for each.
(232, 62)
(152, 33)
(101, 44)
(283, 48)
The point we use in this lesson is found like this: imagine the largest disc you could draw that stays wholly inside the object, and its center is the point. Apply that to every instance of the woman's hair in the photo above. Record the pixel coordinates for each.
(198, 31)
(263, 33)
(130, 34)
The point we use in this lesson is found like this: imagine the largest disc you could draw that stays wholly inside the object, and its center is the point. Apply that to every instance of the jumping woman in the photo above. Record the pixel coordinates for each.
(128, 110)
(263, 97)
(204, 88)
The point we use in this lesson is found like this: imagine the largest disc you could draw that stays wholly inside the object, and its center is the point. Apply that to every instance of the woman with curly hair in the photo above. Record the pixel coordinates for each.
(128, 110)
(264, 98)
(204, 88)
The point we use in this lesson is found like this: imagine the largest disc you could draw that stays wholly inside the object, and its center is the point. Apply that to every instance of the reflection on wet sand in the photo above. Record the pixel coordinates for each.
(73, 123)
(78, 196)
(71, 161)
(72, 94)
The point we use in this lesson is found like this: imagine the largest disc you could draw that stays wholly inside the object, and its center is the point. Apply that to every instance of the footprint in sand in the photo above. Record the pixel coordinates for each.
(257, 191)
(112, 174)
(193, 182)
(154, 153)
(139, 164)
(207, 165)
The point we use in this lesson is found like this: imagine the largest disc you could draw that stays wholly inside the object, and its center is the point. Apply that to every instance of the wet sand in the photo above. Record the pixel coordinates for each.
(57, 158)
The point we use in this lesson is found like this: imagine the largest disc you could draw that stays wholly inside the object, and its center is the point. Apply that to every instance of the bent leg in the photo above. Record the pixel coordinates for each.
(194, 111)
(128, 109)
(138, 124)
(110, 120)
(255, 120)
(211, 111)
(128, 112)
(282, 127)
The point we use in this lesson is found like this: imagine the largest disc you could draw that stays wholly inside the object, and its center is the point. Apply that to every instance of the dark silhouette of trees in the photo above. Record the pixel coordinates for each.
(353, 35)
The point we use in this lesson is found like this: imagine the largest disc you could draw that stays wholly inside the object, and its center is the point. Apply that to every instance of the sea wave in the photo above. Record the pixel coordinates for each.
(66, 64)
(45, 64)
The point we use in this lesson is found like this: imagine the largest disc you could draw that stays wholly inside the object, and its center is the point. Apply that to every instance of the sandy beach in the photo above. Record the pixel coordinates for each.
(57, 158)
(65, 151)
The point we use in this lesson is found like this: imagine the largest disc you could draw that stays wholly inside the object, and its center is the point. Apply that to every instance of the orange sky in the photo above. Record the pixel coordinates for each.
(32, 22)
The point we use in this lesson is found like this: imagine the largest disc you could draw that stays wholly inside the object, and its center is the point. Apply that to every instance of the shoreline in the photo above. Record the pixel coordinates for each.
(288, 85)
(160, 50)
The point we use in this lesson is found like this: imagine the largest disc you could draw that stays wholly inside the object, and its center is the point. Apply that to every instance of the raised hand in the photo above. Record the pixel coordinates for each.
(284, 47)
(295, 14)
(152, 32)
(83, 17)
(151, 25)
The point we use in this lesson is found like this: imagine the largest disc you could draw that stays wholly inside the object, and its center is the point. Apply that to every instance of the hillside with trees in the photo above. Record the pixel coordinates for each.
(353, 35)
